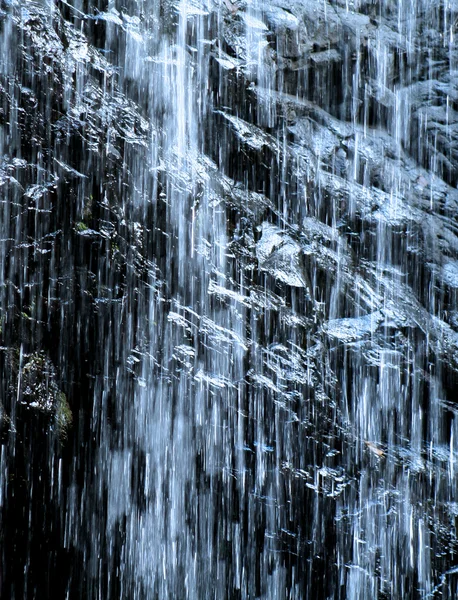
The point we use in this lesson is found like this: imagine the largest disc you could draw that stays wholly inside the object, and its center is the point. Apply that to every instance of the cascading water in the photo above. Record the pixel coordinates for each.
(228, 319)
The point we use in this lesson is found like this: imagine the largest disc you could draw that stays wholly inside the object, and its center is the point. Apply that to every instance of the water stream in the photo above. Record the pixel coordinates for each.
(228, 299)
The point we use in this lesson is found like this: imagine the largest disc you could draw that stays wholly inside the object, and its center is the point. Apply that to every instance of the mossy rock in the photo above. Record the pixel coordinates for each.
(64, 416)
(40, 392)
(38, 386)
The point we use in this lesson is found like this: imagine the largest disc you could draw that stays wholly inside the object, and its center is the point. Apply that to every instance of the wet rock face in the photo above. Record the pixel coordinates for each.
(228, 247)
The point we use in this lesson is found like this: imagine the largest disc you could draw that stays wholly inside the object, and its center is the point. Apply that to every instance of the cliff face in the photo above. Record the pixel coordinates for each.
(228, 285)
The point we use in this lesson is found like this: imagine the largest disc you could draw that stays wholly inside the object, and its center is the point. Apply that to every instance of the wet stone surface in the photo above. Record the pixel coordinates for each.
(228, 299)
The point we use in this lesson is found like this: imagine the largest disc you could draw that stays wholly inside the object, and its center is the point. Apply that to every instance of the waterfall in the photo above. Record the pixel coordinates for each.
(228, 299)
